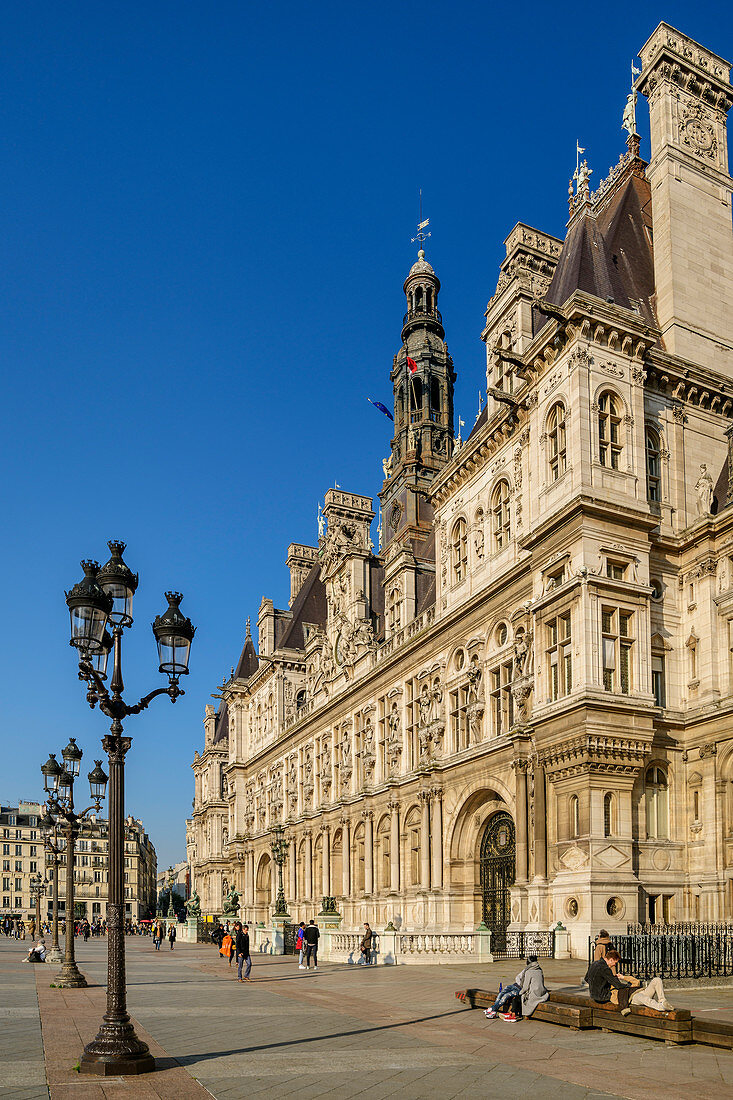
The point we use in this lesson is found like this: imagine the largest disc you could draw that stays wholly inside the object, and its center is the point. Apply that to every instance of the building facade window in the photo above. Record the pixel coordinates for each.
(459, 718)
(608, 814)
(609, 430)
(459, 545)
(502, 702)
(652, 465)
(501, 515)
(574, 815)
(559, 656)
(557, 443)
(617, 647)
(659, 686)
(656, 794)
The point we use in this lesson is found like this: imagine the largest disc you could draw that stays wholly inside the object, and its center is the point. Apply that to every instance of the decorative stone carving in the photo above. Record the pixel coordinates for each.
(367, 750)
(704, 491)
(231, 904)
(193, 906)
(394, 740)
(697, 131)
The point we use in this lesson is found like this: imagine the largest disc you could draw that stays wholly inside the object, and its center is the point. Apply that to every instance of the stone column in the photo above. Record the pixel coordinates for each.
(520, 777)
(540, 823)
(308, 864)
(436, 839)
(394, 847)
(345, 857)
(368, 852)
(326, 876)
(424, 798)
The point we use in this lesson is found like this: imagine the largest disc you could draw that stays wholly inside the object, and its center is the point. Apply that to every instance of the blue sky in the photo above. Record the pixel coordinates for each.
(205, 214)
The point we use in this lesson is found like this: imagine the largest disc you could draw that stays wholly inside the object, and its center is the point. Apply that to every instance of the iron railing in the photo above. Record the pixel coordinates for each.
(517, 945)
(702, 951)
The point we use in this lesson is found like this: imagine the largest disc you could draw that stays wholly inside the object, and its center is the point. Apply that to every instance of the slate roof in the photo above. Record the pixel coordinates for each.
(221, 729)
(248, 661)
(309, 606)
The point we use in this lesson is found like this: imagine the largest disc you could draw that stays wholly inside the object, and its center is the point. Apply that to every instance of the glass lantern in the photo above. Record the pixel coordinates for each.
(97, 782)
(89, 607)
(72, 755)
(174, 634)
(119, 582)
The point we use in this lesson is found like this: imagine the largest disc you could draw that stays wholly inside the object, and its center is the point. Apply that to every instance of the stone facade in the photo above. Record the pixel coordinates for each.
(518, 708)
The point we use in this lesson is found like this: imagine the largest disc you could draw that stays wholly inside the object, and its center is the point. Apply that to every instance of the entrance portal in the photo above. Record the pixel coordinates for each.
(498, 868)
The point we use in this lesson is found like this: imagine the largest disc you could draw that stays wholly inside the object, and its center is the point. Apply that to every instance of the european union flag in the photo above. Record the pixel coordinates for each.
(381, 407)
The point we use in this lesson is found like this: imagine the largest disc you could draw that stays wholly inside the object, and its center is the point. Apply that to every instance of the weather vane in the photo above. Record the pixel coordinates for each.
(422, 236)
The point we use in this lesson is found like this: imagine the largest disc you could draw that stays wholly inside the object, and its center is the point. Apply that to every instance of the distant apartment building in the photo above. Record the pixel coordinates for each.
(23, 855)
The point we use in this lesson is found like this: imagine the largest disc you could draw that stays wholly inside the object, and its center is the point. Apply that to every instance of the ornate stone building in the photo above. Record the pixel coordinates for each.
(519, 706)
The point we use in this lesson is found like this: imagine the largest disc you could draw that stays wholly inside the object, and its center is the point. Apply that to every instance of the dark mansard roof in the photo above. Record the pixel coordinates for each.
(221, 729)
(309, 606)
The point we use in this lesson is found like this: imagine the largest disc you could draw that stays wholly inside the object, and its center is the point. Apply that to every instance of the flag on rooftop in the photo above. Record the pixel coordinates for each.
(411, 364)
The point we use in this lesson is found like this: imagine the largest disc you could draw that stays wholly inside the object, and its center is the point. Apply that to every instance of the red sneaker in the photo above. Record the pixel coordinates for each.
(510, 1017)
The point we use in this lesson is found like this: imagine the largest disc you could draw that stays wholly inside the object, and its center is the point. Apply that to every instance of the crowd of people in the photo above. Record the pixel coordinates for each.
(605, 985)
(232, 941)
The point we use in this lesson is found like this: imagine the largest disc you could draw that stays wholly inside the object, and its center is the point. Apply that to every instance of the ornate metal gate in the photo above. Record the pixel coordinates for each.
(498, 867)
(289, 934)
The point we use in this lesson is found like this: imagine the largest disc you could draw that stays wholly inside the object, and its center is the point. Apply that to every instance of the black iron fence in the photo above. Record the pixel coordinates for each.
(700, 951)
(517, 945)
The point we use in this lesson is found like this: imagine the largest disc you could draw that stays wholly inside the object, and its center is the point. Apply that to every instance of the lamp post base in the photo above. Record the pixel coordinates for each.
(70, 977)
(55, 955)
(116, 1052)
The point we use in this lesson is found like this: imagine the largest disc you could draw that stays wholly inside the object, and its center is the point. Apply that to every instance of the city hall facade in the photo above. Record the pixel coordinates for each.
(517, 707)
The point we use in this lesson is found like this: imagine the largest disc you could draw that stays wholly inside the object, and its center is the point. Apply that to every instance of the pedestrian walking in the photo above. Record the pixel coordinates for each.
(300, 944)
(366, 945)
(172, 935)
(311, 937)
(241, 947)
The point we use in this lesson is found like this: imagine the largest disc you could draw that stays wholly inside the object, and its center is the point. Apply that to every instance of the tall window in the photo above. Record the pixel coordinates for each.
(659, 686)
(559, 656)
(502, 703)
(652, 465)
(617, 643)
(459, 718)
(556, 441)
(608, 822)
(657, 802)
(459, 544)
(500, 510)
(609, 430)
(574, 815)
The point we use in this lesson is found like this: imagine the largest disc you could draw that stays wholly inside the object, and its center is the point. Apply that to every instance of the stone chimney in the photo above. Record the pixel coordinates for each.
(300, 561)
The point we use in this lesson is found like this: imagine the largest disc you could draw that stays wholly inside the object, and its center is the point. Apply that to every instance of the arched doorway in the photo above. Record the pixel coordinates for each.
(263, 884)
(498, 868)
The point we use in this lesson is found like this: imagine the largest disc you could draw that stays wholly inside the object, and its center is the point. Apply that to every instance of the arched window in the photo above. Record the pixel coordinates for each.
(657, 802)
(652, 465)
(415, 399)
(608, 822)
(556, 441)
(501, 514)
(574, 815)
(435, 399)
(459, 545)
(609, 430)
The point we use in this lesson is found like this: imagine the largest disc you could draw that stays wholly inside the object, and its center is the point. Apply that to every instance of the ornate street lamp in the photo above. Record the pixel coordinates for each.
(279, 848)
(171, 876)
(38, 889)
(61, 817)
(104, 598)
(52, 844)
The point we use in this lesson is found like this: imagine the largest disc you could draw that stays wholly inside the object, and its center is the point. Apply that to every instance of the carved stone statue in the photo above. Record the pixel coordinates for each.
(704, 490)
(193, 905)
(425, 705)
(584, 174)
(231, 904)
(522, 653)
(628, 122)
(474, 675)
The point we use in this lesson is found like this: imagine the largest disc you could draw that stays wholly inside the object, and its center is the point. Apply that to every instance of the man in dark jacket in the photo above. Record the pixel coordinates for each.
(311, 945)
(602, 982)
(241, 948)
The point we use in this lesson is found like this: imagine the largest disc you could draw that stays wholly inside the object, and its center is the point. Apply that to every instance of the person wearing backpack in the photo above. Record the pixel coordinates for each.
(300, 944)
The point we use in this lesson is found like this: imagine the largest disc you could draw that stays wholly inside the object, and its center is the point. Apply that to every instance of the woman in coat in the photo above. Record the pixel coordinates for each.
(172, 935)
(532, 992)
(227, 948)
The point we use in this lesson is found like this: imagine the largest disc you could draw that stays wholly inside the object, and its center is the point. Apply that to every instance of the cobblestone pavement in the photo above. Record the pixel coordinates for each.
(342, 1032)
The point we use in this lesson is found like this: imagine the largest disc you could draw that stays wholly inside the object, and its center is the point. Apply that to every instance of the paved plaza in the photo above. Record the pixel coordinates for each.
(343, 1032)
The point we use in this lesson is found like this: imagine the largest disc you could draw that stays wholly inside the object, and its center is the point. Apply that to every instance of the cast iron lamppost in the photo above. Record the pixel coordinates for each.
(58, 783)
(171, 910)
(279, 848)
(105, 596)
(51, 843)
(37, 891)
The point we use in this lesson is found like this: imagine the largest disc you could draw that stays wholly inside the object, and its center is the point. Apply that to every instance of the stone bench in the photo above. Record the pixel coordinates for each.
(579, 1012)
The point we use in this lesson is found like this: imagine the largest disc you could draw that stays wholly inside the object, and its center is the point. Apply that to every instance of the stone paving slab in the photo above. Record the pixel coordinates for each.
(342, 1032)
(22, 1068)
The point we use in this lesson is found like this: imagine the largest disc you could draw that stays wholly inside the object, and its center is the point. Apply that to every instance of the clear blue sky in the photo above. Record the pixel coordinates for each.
(206, 212)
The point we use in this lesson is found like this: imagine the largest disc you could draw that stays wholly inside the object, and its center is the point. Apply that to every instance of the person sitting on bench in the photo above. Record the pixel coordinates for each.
(529, 992)
(604, 985)
(651, 995)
